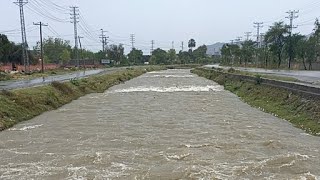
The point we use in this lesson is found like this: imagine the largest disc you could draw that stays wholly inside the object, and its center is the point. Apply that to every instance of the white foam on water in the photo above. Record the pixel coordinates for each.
(171, 89)
(177, 157)
(197, 146)
(171, 76)
(26, 128)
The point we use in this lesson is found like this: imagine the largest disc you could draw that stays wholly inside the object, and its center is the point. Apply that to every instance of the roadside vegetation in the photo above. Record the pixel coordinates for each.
(254, 74)
(278, 49)
(302, 111)
(24, 104)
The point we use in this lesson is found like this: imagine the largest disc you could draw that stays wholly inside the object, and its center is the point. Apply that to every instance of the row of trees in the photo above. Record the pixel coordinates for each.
(279, 48)
(59, 51)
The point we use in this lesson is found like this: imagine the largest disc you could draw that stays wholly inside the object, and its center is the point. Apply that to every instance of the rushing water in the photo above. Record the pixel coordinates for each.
(162, 125)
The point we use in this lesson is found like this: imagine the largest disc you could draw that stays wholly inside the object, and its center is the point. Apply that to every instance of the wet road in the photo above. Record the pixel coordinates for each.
(162, 125)
(311, 77)
(16, 84)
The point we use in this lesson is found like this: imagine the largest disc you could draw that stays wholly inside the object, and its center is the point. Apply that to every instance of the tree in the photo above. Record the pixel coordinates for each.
(200, 52)
(9, 52)
(191, 44)
(135, 57)
(159, 56)
(247, 51)
(116, 53)
(229, 53)
(53, 48)
(65, 56)
(172, 56)
(276, 38)
(184, 57)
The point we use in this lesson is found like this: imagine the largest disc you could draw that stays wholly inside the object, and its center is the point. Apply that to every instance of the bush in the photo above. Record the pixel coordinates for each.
(258, 79)
(231, 70)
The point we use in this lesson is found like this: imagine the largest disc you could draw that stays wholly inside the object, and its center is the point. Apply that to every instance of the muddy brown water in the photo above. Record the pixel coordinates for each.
(162, 125)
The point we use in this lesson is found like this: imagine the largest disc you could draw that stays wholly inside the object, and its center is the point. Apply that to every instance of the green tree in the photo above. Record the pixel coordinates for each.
(172, 56)
(65, 56)
(135, 57)
(191, 44)
(230, 52)
(184, 57)
(200, 53)
(159, 56)
(9, 52)
(116, 53)
(247, 51)
(276, 39)
(53, 48)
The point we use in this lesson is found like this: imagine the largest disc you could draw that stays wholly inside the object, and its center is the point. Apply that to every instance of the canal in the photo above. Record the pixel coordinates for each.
(162, 125)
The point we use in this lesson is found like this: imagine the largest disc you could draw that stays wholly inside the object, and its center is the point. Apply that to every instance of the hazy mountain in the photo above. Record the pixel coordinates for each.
(214, 49)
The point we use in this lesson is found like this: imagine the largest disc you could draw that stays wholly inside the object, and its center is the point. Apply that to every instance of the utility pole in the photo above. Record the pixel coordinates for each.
(103, 40)
(232, 41)
(81, 53)
(172, 45)
(24, 44)
(262, 39)
(248, 34)
(258, 25)
(152, 46)
(238, 40)
(291, 17)
(40, 24)
(132, 40)
(106, 42)
(75, 17)
(182, 47)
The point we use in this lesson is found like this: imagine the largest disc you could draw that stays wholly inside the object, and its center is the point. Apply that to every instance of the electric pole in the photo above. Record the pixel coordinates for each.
(291, 17)
(106, 42)
(152, 46)
(75, 17)
(172, 45)
(182, 47)
(81, 53)
(248, 34)
(238, 40)
(40, 24)
(24, 44)
(103, 40)
(132, 40)
(262, 39)
(258, 25)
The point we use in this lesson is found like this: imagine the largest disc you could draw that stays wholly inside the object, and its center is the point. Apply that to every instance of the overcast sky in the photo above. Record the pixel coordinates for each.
(164, 21)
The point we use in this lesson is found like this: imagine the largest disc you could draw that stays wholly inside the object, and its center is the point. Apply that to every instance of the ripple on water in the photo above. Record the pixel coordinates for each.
(171, 89)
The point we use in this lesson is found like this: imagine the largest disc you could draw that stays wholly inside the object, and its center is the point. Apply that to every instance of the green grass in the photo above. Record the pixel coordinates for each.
(24, 104)
(303, 112)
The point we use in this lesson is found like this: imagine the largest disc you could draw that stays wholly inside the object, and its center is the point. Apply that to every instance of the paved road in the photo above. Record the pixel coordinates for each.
(16, 84)
(310, 77)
